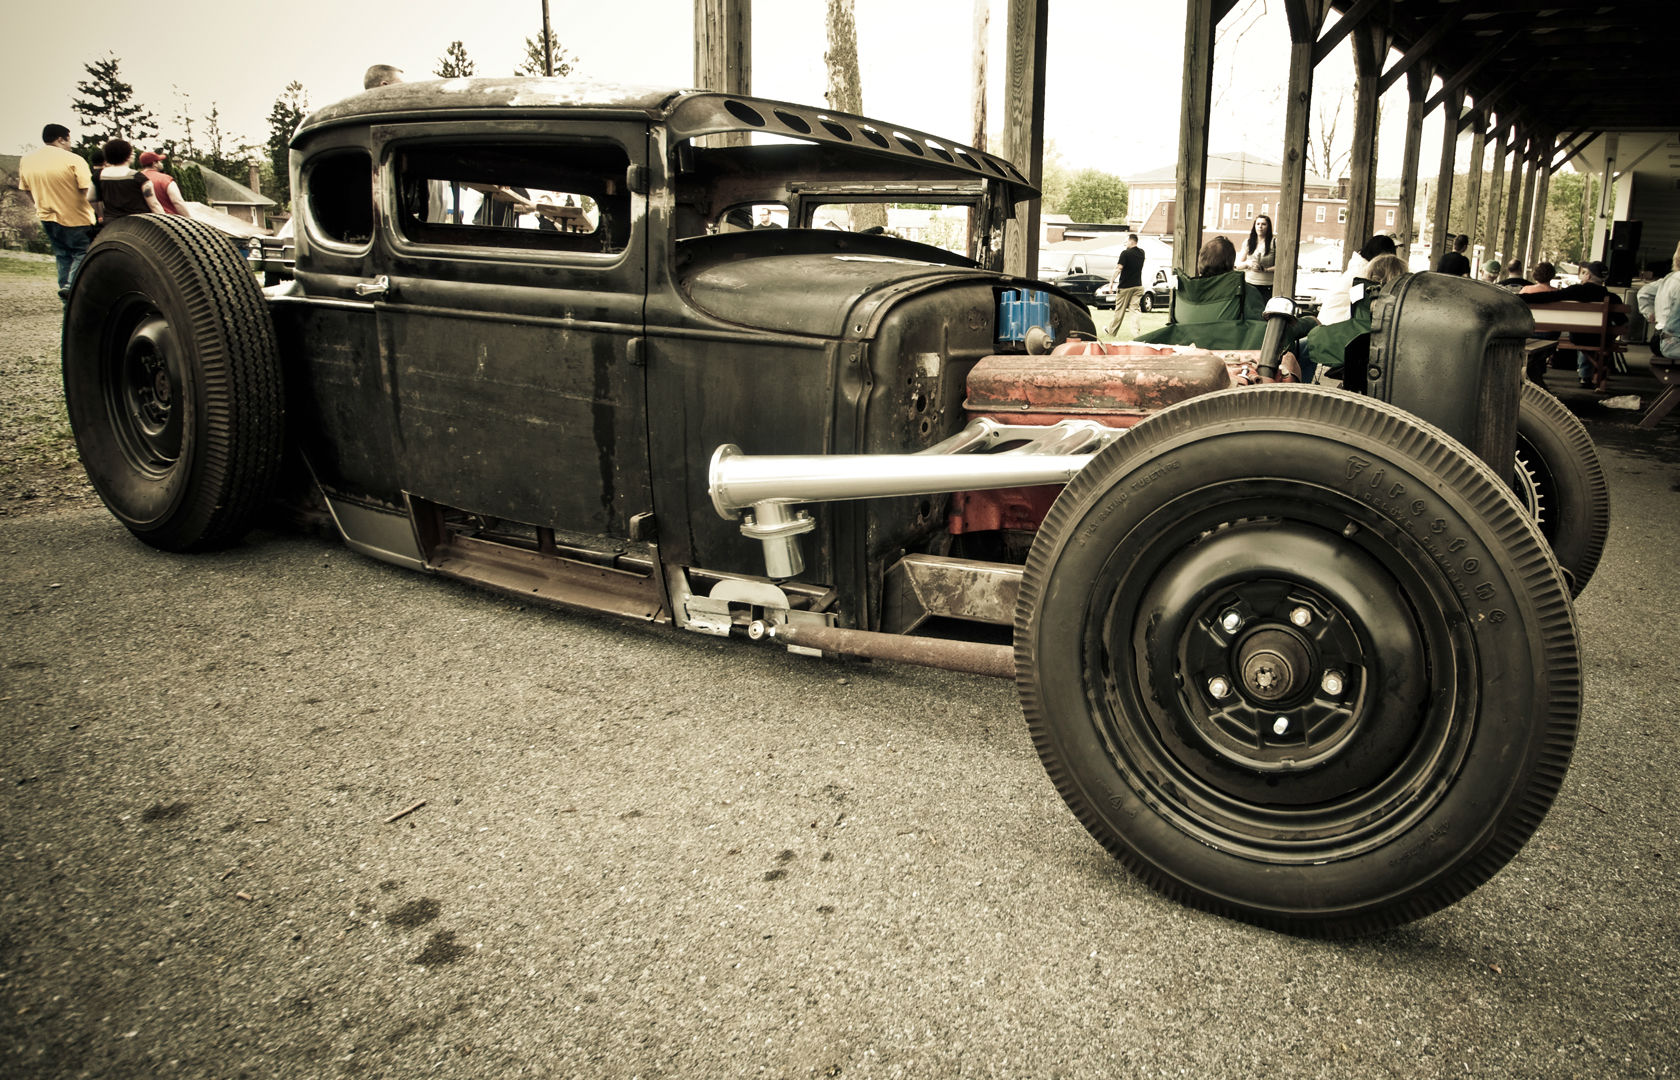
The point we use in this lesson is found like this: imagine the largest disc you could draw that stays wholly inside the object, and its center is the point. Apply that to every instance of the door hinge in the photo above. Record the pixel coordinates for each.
(635, 351)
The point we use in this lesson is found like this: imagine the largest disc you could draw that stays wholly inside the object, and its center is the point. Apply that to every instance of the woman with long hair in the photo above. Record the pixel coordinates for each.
(1259, 256)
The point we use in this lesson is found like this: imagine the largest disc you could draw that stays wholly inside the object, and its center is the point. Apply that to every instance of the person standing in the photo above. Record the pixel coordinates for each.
(1259, 256)
(59, 181)
(124, 191)
(168, 192)
(1455, 261)
(1128, 283)
(1659, 302)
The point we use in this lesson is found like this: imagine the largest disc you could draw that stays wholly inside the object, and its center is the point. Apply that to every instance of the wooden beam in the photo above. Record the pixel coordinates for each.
(1478, 158)
(1440, 237)
(1200, 19)
(723, 45)
(1583, 139)
(1485, 104)
(1417, 88)
(1351, 18)
(1370, 42)
(723, 53)
(1513, 196)
(1466, 73)
(1495, 189)
(1542, 193)
(1305, 18)
(1531, 181)
(1024, 135)
(1419, 50)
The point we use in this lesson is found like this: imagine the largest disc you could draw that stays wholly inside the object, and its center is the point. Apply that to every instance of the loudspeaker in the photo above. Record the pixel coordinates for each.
(1624, 253)
(1622, 267)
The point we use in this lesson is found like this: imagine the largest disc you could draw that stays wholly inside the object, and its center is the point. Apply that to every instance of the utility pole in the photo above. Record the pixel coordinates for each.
(548, 44)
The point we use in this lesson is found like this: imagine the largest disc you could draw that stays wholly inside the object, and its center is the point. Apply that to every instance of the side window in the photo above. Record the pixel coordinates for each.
(340, 191)
(539, 196)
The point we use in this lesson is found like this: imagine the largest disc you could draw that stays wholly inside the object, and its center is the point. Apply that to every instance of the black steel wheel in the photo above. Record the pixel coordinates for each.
(172, 380)
(1297, 657)
(1559, 478)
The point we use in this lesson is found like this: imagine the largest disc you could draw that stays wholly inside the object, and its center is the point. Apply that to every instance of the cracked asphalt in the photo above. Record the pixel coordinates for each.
(648, 853)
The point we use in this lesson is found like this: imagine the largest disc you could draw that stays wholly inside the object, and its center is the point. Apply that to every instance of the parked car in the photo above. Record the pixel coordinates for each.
(1084, 285)
(1157, 296)
(1292, 654)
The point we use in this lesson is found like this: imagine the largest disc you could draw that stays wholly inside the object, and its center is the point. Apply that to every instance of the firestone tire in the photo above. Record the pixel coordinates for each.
(1559, 476)
(1298, 658)
(173, 383)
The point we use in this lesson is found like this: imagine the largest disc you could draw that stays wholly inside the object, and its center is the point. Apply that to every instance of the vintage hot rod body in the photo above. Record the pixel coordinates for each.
(1294, 654)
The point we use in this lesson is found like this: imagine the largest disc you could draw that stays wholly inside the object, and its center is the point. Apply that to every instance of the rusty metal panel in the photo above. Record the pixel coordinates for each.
(1119, 386)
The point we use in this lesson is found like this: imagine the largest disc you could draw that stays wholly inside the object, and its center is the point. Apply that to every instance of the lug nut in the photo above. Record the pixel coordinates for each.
(1218, 687)
(1280, 725)
(1300, 616)
(1332, 683)
(1231, 621)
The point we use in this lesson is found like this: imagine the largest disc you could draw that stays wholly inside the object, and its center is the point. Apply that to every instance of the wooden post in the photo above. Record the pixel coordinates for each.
(1417, 88)
(1496, 189)
(1023, 144)
(982, 42)
(723, 53)
(1305, 18)
(1478, 159)
(1370, 45)
(1195, 99)
(1542, 192)
(1513, 196)
(1531, 171)
(1440, 239)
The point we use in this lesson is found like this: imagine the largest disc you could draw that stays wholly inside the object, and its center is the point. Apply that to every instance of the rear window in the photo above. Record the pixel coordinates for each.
(541, 196)
(340, 192)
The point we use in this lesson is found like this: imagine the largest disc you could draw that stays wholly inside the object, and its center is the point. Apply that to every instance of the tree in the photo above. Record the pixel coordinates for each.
(191, 182)
(1095, 196)
(1563, 238)
(845, 91)
(533, 64)
(106, 105)
(223, 151)
(1323, 157)
(1053, 181)
(453, 64)
(288, 112)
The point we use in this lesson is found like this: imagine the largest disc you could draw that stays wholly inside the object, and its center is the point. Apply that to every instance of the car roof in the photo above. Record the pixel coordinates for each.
(687, 113)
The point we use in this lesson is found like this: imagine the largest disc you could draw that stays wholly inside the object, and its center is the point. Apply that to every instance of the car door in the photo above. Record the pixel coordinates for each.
(515, 275)
(328, 325)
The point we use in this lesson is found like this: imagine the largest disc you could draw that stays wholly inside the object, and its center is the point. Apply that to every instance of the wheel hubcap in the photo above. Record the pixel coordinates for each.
(145, 393)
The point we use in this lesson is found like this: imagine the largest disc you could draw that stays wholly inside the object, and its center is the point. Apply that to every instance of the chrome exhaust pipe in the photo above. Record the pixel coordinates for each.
(769, 484)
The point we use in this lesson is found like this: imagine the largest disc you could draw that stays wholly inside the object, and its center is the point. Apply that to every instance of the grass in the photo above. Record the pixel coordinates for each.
(22, 265)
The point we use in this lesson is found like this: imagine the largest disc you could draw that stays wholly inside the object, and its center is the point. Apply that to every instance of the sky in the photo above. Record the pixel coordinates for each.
(1113, 67)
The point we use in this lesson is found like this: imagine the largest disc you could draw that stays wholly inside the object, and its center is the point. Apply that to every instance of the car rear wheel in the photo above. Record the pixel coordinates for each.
(1146, 303)
(1560, 480)
(172, 380)
(1295, 657)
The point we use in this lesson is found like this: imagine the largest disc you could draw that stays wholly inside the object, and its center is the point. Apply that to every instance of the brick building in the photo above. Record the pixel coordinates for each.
(1239, 186)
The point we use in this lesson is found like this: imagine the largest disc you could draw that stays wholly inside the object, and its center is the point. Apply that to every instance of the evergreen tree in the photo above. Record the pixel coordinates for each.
(107, 107)
(288, 112)
(191, 182)
(222, 151)
(533, 64)
(455, 65)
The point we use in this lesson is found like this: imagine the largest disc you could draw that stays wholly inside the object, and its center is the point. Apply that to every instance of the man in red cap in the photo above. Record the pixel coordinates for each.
(168, 192)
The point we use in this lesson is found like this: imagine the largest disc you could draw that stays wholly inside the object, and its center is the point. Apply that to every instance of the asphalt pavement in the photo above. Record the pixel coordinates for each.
(643, 852)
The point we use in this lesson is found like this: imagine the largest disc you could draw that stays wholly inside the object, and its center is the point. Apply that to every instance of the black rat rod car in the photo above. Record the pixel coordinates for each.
(1293, 654)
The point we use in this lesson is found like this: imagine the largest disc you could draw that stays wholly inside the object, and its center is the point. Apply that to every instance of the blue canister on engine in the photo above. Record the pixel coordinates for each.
(1019, 310)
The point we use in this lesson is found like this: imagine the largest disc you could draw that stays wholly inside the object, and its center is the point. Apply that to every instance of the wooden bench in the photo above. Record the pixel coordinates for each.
(1604, 318)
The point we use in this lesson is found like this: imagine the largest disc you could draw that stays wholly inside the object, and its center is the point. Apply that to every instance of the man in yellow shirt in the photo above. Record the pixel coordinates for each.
(59, 180)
